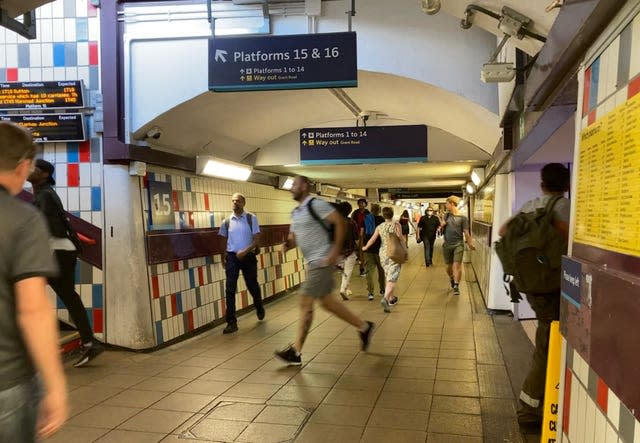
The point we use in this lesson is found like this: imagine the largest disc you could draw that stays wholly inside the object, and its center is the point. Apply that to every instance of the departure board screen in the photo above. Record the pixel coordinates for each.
(41, 95)
(51, 127)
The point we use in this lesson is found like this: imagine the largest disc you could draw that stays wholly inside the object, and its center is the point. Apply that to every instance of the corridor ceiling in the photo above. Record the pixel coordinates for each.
(261, 127)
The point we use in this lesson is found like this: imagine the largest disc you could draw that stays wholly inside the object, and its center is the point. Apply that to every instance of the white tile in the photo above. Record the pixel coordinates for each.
(96, 174)
(612, 68)
(11, 54)
(44, 11)
(83, 53)
(35, 55)
(47, 74)
(57, 8)
(73, 202)
(621, 96)
(634, 67)
(58, 30)
(61, 173)
(636, 433)
(35, 74)
(590, 422)
(47, 54)
(23, 74)
(612, 435)
(85, 201)
(69, 29)
(86, 295)
(83, 74)
(62, 194)
(573, 411)
(97, 276)
(3, 54)
(85, 174)
(96, 219)
(81, 8)
(45, 30)
(59, 74)
(11, 37)
(71, 73)
(2, 35)
(86, 216)
(613, 408)
(94, 29)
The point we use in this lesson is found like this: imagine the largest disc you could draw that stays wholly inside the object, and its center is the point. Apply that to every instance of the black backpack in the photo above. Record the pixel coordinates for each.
(330, 229)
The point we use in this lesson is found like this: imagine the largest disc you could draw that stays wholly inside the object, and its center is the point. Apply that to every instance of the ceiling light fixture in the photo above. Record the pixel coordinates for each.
(470, 188)
(285, 183)
(217, 167)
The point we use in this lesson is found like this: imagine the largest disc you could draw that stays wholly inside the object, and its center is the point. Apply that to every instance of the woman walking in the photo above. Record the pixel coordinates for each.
(405, 222)
(391, 268)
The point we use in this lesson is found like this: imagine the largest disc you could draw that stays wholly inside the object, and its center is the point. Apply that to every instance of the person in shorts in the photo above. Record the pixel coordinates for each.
(456, 231)
(321, 253)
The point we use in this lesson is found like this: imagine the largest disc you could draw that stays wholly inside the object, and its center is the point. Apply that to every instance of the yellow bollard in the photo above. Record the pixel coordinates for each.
(552, 386)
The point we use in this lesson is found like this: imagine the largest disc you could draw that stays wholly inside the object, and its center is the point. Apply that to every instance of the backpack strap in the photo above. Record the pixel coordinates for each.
(548, 209)
(250, 221)
(315, 216)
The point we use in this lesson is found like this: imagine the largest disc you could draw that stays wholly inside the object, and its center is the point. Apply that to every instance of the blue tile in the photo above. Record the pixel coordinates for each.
(76, 213)
(82, 29)
(179, 302)
(58, 55)
(192, 278)
(96, 198)
(3, 75)
(96, 296)
(72, 152)
(159, 336)
(595, 79)
(212, 220)
(151, 176)
(187, 181)
(23, 55)
(71, 54)
(77, 275)
(94, 78)
(90, 316)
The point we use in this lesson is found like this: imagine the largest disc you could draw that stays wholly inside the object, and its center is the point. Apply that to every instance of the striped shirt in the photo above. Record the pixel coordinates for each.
(311, 237)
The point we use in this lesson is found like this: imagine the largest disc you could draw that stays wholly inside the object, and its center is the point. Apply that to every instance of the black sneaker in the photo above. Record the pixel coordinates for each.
(290, 356)
(456, 290)
(230, 329)
(365, 336)
(88, 354)
(393, 301)
(453, 283)
(344, 296)
(259, 312)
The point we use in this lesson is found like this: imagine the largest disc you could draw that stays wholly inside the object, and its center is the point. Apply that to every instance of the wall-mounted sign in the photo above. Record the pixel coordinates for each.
(161, 214)
(51, 127)
(571, 278)
(283, 62)
(41, 95)
(373, 144)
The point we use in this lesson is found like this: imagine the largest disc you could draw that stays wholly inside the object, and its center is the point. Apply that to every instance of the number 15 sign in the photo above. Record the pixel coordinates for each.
(160, 206)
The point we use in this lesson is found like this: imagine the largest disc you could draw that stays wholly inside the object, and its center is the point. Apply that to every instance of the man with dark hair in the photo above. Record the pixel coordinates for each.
(242, 234)
(555, 182)
(30, 404)
(359, 216)
(65, 245)
(372, 257)
(426, 233)
(321, 254)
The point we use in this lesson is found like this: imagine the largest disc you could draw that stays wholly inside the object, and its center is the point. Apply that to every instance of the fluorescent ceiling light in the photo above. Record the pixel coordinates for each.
(470, 188)
(476, 176)
(217, 167)
(285, 182)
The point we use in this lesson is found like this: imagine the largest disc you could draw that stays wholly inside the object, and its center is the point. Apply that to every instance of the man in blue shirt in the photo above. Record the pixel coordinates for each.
(242, 233)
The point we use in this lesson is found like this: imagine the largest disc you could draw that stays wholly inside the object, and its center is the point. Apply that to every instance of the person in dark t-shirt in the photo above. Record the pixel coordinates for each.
(426, 233)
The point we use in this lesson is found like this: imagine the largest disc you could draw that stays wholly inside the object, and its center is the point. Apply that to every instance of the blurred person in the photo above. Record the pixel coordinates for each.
(66, 246)
(456, 232)
(31, 406)
(426, 233)
(372, 257)
(362, 216)
(349, 250)
(242, 237)
(321, 254)
(405, 225)
(391, 268)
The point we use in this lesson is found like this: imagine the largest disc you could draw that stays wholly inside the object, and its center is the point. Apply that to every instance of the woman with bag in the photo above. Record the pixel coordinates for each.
(393, 253)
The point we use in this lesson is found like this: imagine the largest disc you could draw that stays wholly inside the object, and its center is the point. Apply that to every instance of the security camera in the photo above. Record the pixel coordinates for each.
(154, 133)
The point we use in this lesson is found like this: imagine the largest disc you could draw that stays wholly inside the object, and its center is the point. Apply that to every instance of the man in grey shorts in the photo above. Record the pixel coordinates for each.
(456, 230)
(321, 253)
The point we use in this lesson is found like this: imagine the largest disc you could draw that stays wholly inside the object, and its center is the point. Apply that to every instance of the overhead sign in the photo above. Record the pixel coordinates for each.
(283, 62)
(373, 144)
(41, 95)
(571, 278)
(51, 127)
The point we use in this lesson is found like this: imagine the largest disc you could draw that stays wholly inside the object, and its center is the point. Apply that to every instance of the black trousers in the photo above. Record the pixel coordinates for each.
(249, 268)
(427, 243)
(64, 287)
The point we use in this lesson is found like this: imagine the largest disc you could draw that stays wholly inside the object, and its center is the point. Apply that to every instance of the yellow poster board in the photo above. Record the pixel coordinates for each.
(608, 185)
(552, 386)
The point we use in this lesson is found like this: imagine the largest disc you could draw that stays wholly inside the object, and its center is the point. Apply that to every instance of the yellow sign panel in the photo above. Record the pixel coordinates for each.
(552, 386)
(608, 185)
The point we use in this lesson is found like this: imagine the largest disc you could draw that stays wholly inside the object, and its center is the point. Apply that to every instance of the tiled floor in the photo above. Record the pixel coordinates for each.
(434, 374)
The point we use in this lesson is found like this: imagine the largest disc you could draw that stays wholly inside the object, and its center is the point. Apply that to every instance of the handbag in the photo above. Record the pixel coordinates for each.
(396, 250)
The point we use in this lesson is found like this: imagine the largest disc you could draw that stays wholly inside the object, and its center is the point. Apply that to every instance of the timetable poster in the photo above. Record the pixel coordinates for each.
(608, 188)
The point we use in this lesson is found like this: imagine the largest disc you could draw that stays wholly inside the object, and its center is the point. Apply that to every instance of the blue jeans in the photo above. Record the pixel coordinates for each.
(249, 268)
(19, 412)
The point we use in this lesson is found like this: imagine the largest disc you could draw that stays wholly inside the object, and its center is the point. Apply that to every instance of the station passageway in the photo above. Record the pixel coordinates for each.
(435, 372)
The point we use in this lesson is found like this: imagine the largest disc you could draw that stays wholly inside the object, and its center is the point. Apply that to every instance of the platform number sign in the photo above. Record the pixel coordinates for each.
(161, 214)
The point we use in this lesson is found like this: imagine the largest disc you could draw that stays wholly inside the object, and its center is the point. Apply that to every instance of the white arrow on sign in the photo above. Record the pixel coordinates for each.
(220, 55)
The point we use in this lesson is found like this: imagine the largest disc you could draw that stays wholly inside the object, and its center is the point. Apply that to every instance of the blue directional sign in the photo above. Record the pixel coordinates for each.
(571, 278)
(304, 61)
(373, 144)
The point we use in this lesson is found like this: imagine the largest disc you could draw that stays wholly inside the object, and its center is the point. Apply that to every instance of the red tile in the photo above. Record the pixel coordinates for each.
(592, 117)
(174, 304)
(634, 87)
(567, 401)
(176, 202)
(145, 181)
(97, 320)
(245, 299)
(12, 74)
(73, 175)
(223, 307)
(602, 394)
(586, 91)
(176, 265)
(84, 151)
(192, 222)
(190, 320)
(93, 53)
(155, 287)
(200, 276)
(206, 202)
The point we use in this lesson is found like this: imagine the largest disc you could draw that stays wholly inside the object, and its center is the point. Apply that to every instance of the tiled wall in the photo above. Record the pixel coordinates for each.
(188, 294)
(592, 412)
(66, 48)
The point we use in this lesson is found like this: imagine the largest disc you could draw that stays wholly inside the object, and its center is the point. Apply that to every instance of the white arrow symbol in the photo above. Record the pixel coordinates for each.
(242, 71)
(220, 54)
(304, 142)
(304, 135)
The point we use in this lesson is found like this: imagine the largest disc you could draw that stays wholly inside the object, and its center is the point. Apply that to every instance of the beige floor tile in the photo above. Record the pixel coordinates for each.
(351, 397)
(419, 352)
(92, 394)
(458, 354)
(119, 380)
(312, 379)
(341, 415)
(358, 382)
(413, 372)
(461, 405)
(206, 387)
(268, 433)
(182, 371)
(218, 430)
(325, 357)
(236, 411)
(76, 434)
(301, 394)
(119, 436)
(409, 385)
(384, 435)
(270, 377)
(204, 362)
(180, 401)
(467, 345)
(399, 419)
(404, 400)
(245, 364)
(252, 390)
(148, 369)
(324, 433)
(461, 424)
(368, 370)
(455, 363)
(103, 416)
(450, 438)
(456, 388)
(134, 398)
(465, 375)
(187, 424)
(166, 384)
(422, 344)
(325, 368)
(416, 362)
(154, 420)
(76, 407)
(220, 374)
(284, 415)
